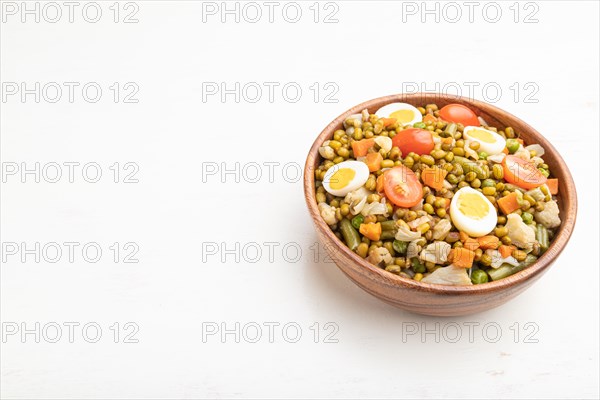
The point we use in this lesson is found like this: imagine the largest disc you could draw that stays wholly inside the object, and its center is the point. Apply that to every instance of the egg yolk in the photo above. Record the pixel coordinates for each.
(482, 135)
(473, 206)
(340, 179)
(404, 116)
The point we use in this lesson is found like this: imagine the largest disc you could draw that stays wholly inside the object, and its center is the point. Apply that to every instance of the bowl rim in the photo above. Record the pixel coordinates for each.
(539, 266)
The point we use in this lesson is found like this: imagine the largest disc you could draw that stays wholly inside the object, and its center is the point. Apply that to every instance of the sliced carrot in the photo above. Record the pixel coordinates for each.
(379, 186)
(505, 250)
(463, 236)
(488, 242)
(373, 161)
(505, 150)
(371, 230)
(361, 147)
(447, 201)
(434, 177)
(520, 141)
(471, 244)
(429, 117)
(461, 257)
(552, 185)
(508, 203)
(388, 121)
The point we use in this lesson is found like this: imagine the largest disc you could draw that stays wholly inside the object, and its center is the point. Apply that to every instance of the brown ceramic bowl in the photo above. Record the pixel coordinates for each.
(434, 299)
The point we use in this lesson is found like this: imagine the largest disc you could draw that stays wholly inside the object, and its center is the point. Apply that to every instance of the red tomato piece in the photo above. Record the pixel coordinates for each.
(459, 114)
(419, 141)
(402, 187)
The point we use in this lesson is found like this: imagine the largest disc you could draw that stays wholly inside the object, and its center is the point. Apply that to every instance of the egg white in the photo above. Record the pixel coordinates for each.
(491, 148)
(387, 110)
(473, 227)
(361, 174)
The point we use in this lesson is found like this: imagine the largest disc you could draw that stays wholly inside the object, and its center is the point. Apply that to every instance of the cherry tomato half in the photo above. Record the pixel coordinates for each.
(402, 187)
(522, 173)
(419, 141)
(459, 114)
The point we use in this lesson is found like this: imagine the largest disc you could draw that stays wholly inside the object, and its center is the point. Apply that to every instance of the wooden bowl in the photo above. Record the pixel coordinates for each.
(434, 299)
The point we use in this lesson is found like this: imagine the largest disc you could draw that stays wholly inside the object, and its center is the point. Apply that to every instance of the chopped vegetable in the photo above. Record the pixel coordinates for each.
(507, 269)
(505, 250)
(509, 203)
(360, 148)
(461, 257)
(371, 230)
(552, 185)
(349, 234)
(379, 187)
(471, 244)
(520, 234)
(436, 252)
(549, 215)
(488, 242)
(357, 221)
(373, 161)
(434, 177)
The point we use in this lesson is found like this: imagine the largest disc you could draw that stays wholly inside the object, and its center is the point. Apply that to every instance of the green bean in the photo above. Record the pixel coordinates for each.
(479, 276)
(387, 235)
(542, 236)
(400, 247)
(450, 129)
(357, 221)
(350, 235)
(507, 269)
(388, 225)
(470, 166)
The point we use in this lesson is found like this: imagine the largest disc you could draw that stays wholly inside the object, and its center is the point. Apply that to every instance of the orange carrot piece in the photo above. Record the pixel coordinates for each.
(520, 141)
(552, 185)
(388, 121)
(488, 242)
(463, 236)
(371, 230)
(373, 161)
(461, 257)
(509, 203)
(505, 150)
(505, 250)
(379, 186)
(429, 117)
(471, 244)
(434, 177)
(361, 147)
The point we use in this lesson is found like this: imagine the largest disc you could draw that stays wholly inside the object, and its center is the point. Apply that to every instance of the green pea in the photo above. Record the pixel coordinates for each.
(527, 218)
(452, 178)
(417, 265)
(479, 276)
(420, 125)
(512, 145)
(357, 221)
(483, 155)
(544, 172)
(400, 247)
